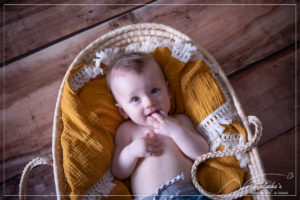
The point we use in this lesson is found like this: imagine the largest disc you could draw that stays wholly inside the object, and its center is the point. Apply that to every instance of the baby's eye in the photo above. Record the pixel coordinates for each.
(134, 99)
(154, 90)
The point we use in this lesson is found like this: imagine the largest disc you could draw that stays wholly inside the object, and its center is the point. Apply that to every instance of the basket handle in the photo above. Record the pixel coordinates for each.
(249, 145)
(46, 160)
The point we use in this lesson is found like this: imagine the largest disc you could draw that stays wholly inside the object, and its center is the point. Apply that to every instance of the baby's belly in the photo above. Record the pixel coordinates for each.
(152, 172)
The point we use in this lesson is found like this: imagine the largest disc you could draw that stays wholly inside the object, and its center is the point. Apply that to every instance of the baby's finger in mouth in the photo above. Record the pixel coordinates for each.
(158, 117)
(163, 113)
(151, 119)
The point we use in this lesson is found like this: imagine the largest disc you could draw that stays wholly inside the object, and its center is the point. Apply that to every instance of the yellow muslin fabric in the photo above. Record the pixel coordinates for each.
(90, 120)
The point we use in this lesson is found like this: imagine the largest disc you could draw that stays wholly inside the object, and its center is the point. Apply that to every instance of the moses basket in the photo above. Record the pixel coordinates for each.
(146, 37)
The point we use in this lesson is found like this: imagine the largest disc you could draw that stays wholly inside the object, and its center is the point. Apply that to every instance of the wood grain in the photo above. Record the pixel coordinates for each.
(238, 36)
(40, 185)
(267, 90)
(29, 26)
(235, 35)
(279, 161)
(24, 24)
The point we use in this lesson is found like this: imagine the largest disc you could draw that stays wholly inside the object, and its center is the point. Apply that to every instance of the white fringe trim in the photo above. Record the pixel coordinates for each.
(84, 75)
(102, 188)
(147, 46)
(106, 56)
(181, 50)
(212, 130)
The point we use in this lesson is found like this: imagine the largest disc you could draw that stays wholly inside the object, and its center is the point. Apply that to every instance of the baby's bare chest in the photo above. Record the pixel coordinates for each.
(157, 170)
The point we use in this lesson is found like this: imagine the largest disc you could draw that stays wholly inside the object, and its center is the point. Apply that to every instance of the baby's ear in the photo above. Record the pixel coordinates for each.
(121, 111)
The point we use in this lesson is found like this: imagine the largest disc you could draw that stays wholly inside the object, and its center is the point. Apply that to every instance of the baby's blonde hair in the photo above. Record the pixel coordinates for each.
(133, 62)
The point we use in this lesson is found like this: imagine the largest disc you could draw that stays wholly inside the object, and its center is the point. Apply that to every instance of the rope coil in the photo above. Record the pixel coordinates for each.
(249, 145)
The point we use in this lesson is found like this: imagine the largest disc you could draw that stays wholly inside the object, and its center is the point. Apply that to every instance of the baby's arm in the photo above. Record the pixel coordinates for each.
(128, 152)
(182, 131)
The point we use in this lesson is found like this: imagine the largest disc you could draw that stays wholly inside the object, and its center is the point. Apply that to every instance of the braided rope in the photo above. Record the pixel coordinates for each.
(47, 160)
(249, 145)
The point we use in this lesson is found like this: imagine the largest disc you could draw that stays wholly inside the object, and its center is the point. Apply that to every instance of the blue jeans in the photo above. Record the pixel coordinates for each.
(179, 192)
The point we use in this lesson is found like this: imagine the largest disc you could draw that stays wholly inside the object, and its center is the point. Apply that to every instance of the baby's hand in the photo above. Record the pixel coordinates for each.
(146, 146)
(166, 125)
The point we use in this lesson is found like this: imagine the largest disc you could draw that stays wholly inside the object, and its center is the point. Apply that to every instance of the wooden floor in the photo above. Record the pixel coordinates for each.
(255, 45)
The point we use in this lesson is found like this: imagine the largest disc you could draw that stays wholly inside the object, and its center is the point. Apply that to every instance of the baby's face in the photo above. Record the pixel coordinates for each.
(140, 95)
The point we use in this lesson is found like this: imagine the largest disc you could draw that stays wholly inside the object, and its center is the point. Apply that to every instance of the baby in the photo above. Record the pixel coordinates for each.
(151, 147)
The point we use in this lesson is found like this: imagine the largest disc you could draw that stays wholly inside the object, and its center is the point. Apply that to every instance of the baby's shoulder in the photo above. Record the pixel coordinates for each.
(181, 117)
(125, 126)
(184, 119)
(128, 127)
(124, 133)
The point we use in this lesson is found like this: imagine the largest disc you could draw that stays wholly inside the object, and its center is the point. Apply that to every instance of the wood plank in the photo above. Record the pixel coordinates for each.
(267, 90)
(25, 23)
(2, 36)
(235, 40)
(40, 185)
(31, 84)
(279, 159)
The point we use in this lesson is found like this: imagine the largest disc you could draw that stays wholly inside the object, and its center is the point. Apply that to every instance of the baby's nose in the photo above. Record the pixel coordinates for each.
(148, 102)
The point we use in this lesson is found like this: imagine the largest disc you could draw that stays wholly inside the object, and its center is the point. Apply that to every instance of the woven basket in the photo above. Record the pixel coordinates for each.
(139, 33)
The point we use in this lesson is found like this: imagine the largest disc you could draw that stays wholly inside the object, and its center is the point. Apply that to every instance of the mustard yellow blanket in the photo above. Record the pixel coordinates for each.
(90, 119)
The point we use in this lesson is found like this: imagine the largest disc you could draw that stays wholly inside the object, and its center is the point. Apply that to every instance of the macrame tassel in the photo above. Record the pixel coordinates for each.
(84, 75)
(183, 50)
(103, 187)
(212, 130)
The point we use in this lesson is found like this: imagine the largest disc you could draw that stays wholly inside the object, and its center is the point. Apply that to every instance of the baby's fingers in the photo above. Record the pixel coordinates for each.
(163, 113)
(152, 120)
(158, 117)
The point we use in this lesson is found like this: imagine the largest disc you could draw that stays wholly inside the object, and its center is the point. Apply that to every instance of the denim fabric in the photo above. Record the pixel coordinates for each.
(179, 192)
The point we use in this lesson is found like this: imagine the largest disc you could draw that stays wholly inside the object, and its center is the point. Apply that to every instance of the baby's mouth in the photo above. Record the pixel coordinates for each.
(150, 114)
